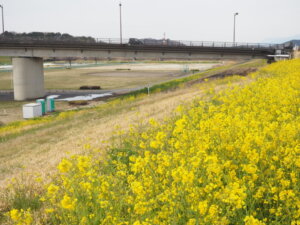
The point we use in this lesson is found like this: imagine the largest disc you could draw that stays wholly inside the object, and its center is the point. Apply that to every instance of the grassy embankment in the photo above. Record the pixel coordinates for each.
(65, 133)
(229, 159)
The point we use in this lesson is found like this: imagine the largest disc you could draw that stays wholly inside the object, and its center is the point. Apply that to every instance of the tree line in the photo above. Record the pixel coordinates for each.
(50, 36)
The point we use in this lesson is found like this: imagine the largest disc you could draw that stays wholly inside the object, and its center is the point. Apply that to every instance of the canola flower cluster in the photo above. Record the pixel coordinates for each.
(21, 217)
(232, 160)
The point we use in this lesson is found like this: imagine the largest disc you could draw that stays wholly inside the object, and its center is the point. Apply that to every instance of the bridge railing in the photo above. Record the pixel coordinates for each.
(147, 42)
(167, 42)
(154, 42)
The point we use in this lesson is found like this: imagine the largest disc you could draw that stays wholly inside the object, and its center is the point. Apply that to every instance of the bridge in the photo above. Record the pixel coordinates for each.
(27, 55)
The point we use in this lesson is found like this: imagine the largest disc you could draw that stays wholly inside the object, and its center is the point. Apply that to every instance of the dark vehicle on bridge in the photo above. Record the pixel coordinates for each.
(154, 42)
(135, 41)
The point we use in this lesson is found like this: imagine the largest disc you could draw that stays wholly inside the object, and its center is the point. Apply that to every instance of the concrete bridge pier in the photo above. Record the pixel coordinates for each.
(28, 78)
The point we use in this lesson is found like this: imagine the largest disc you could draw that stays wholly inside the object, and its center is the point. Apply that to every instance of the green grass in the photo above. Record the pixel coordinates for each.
(11, 104)
(177, 82)
(5, 60)
(25, 200)
(20, 196)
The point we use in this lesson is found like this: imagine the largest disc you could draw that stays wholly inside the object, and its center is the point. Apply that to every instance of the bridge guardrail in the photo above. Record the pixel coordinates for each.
(177, 43)
(147, 42)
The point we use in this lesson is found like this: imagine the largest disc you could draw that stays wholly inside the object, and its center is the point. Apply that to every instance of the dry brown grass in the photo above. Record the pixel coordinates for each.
(74, 78)
(107, 77)
(11, 111)
(39, 152)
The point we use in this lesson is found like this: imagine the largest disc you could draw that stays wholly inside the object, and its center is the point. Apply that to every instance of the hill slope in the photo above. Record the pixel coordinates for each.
(233, 159)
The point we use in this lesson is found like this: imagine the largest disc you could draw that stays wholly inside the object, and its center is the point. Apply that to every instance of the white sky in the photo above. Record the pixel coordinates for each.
(198, 20)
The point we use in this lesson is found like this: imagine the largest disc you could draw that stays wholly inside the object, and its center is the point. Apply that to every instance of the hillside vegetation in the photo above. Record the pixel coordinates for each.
(47, 36)
(230, 156)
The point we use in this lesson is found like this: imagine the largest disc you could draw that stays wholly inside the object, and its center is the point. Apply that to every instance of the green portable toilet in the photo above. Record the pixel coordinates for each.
(50, 104)
(42, 101)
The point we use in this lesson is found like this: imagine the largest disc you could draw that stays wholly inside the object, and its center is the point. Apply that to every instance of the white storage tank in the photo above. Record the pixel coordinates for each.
(32, 110)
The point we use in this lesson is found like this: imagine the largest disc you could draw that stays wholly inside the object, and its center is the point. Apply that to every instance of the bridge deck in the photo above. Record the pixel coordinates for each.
(132, 48)
(241, 49)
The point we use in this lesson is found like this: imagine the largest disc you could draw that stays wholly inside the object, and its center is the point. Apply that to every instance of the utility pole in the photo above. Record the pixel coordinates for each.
(120, 22)
(164, 40)
(2, 19)
(234, 23)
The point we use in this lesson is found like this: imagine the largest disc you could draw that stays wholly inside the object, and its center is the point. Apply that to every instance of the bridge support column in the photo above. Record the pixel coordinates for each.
(28, 78)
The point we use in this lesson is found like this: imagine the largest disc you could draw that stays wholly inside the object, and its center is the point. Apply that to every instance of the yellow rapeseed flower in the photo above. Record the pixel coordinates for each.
(64, 166)
(68, 203)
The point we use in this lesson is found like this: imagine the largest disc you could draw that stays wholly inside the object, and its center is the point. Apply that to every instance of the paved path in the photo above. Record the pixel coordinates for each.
(9, 95)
